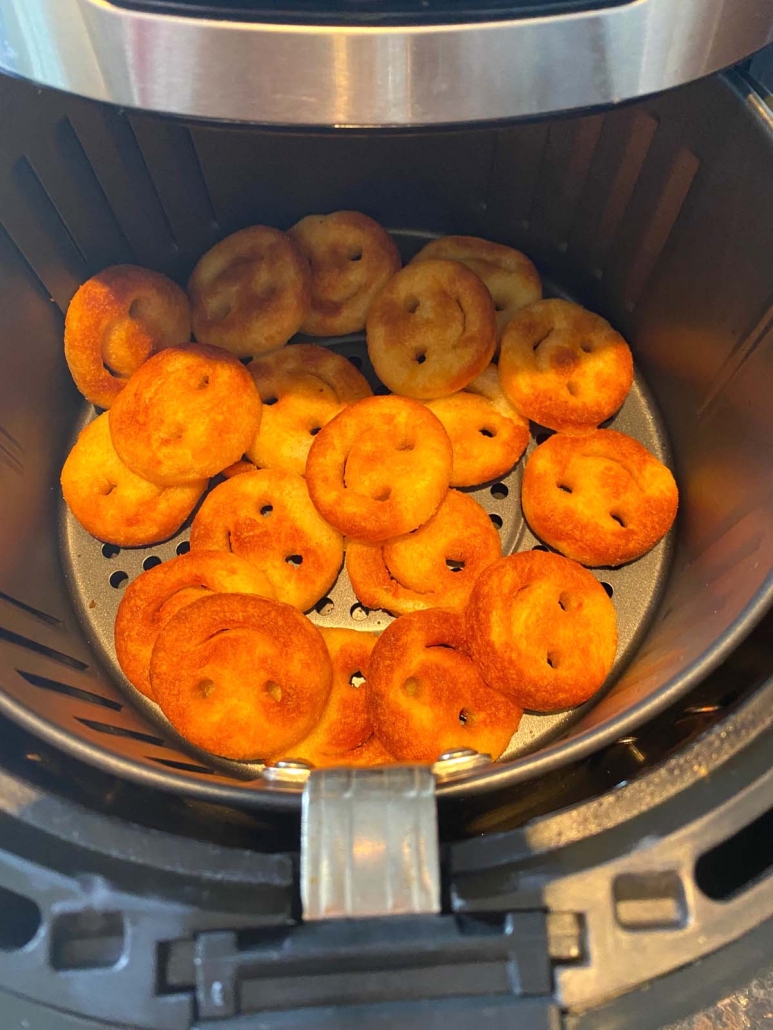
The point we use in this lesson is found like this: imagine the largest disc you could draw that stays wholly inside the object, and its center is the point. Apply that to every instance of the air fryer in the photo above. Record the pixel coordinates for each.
(656, 213)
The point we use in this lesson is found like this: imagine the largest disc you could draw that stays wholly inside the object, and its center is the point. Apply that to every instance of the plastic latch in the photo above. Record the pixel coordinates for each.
(461, 969)
(369, 843)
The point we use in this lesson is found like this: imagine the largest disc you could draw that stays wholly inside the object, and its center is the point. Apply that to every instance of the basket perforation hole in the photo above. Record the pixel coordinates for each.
(183, 547)
(359, 612)
(496, 520)
(151, 562)
(110, 550)
(499, 491)
(118, 579)
(325, 606)
(539, 547)
(609, 589)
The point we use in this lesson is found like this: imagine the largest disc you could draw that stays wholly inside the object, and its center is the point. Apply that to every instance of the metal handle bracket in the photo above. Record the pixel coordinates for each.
(369, 843)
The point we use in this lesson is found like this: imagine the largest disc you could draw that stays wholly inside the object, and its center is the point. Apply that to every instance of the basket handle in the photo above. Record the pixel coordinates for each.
(369, 843)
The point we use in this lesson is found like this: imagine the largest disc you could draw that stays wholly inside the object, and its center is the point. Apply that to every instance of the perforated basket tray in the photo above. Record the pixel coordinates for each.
(98, 573)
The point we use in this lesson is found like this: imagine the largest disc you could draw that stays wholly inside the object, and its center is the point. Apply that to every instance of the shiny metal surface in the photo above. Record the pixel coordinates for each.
(287, 772)
(369, 843)
(457, 763)
(349, 76)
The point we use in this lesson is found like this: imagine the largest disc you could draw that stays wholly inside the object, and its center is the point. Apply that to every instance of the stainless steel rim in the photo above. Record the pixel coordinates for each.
(361, 76)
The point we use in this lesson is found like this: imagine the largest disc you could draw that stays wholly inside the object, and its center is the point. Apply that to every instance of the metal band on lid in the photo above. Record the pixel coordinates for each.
(375, 75)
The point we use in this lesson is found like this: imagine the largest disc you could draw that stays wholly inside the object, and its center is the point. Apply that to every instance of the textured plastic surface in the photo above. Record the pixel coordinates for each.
(658, 215)
(217, 940)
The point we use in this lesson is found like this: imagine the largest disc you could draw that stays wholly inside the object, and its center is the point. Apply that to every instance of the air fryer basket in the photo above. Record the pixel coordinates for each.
(659, 215)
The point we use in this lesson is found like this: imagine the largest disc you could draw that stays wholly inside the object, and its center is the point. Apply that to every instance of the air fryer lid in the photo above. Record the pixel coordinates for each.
(374, 62)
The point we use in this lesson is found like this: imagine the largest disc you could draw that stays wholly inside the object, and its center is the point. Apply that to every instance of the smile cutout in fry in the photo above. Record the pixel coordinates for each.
(117, 319)
(431, 330)
(564, 367)
(158, 593)
(241, 676)
(186, 414)
(302, 387)
(542, 630)
(344, 731)
(426, 695)
(267, 518)
(380, 468)
(113, 503)
(437, 565)
(601, 498)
